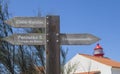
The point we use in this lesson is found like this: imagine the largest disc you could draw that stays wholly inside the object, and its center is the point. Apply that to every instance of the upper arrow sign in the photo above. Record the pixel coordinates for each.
(26, 39)
(27, 22)
(78, 39)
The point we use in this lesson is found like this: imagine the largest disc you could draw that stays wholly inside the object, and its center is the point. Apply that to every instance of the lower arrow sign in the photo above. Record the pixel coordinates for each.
(40, 39)
(78, 39)
(26, 39)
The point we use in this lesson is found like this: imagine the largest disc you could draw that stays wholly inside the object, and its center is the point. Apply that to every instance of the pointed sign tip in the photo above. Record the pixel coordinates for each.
(8, 22)
(5, 21)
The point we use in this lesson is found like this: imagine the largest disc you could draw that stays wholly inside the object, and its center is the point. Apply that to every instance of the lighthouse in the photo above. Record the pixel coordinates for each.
(98, 51)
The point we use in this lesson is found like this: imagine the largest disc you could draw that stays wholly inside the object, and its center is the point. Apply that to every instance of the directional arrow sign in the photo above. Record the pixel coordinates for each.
(26, 39)
(78, 39)
(27, 22)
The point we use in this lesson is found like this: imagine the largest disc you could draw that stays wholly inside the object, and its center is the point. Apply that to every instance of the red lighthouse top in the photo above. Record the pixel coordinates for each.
(98, 47)
(98, 51)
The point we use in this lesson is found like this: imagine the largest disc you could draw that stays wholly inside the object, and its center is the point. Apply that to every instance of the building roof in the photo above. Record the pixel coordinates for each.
(103, 60)
(92, 72)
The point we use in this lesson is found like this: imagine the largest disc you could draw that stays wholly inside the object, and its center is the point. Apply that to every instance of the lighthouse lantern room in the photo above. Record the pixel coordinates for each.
(98, 51)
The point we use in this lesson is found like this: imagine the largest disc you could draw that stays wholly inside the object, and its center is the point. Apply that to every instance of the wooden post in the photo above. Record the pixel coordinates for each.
(52, 45)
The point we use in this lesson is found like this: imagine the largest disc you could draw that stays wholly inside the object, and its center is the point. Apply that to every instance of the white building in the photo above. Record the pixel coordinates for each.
(96, 64)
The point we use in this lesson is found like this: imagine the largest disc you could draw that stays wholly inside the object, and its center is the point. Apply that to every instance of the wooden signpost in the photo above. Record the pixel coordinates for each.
(52, 39)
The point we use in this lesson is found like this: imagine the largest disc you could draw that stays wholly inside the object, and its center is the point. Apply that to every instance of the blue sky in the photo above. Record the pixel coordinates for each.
(98, 17)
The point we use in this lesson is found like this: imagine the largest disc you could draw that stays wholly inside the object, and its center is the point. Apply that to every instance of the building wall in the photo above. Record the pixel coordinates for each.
(104, 69)
(83, 64)
(115, 70)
